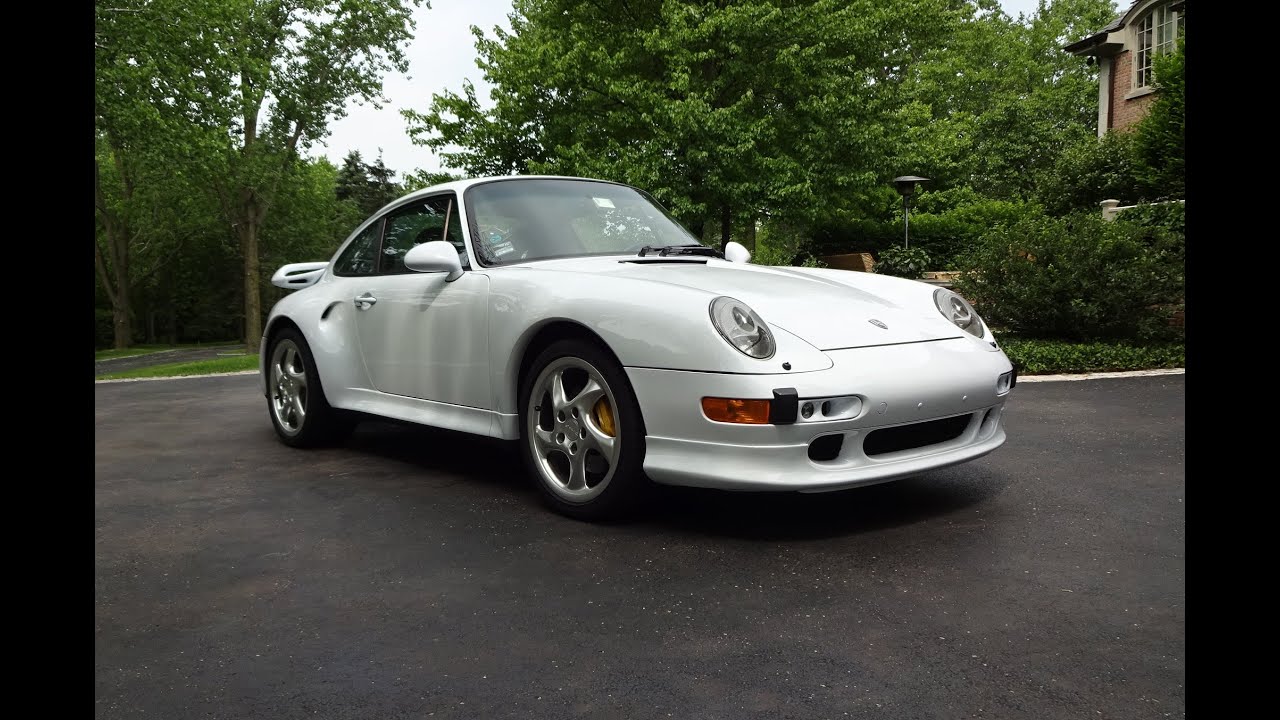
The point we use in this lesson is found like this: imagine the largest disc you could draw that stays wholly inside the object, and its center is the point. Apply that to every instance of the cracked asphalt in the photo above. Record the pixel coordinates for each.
(412, 573)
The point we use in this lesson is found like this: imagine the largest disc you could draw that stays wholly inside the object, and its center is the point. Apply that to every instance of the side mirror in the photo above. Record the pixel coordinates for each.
(435, 256)
(735, 252)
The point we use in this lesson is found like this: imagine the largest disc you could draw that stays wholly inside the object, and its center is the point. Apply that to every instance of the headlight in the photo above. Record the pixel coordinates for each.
(742, 327)
(958, 310)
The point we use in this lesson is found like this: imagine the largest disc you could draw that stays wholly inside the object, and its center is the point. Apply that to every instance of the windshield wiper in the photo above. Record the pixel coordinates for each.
(665, 250)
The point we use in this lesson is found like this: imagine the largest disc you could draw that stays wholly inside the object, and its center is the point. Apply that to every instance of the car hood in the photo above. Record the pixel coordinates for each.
(827, 313)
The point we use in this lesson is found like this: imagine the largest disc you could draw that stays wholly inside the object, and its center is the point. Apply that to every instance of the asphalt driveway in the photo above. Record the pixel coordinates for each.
(412, 573)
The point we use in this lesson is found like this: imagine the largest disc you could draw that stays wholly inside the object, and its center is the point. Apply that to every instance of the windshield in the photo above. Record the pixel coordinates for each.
(519, 220)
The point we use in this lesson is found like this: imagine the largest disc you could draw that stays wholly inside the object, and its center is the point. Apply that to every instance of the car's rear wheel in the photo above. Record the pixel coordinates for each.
(299, 410)
(582, 434)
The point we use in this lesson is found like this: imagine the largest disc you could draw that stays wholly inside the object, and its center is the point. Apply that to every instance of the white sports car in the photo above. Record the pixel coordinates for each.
(578, 318)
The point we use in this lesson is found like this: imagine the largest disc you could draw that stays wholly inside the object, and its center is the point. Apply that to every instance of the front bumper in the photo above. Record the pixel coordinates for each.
(897, 386)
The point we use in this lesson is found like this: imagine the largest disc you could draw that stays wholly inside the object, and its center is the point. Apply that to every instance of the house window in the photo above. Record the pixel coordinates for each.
(1157, 34)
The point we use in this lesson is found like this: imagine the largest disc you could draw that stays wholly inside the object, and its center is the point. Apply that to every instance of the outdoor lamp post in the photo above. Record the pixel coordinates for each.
(906, 186)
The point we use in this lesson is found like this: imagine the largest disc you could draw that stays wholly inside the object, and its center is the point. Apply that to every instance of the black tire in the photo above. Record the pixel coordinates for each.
(320, 424)
(626, 489)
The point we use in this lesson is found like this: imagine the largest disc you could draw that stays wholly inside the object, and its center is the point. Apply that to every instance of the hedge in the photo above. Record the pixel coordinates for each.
(1035, 357)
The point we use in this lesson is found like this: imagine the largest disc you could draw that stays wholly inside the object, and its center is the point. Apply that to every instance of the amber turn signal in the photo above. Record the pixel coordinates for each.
(729, 410)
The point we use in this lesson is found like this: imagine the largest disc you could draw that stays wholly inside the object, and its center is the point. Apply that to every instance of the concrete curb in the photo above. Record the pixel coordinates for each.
(1021, 378)
(1100, 376)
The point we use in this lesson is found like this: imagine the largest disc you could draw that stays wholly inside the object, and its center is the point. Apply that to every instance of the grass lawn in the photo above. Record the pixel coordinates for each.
(149, 349)
(234, 363)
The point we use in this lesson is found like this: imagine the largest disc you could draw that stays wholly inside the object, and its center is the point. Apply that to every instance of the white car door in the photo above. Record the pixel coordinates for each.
(419, 335)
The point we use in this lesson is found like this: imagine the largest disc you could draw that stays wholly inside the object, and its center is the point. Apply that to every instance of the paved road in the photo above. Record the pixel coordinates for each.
(413, 574)
(133, 362)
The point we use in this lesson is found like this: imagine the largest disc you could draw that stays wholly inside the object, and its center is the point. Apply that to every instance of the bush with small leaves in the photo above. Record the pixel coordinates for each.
(903, 262)
(1077, 277)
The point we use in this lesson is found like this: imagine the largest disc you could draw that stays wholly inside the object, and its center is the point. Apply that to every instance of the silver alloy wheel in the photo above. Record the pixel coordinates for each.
(288, 387)
(574, 455)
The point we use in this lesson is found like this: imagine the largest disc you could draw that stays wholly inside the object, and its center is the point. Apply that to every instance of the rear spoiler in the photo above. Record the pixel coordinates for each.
(296, 276)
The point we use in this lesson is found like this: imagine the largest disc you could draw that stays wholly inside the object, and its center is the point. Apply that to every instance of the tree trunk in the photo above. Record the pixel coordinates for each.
(171, 307)
(699, 229)
(726, 225)
(115, 279)
(121, 312)
(252, 288)
(122, 327)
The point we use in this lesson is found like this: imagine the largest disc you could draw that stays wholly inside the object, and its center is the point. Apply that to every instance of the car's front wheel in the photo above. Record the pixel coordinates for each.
(299, 410)
(583, 438)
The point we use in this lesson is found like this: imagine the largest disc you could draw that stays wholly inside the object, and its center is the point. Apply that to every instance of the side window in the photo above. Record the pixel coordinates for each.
(435, 218)
(361, 255)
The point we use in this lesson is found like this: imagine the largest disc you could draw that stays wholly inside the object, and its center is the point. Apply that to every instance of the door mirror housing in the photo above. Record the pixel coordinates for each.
(735, 252)
(435, 256)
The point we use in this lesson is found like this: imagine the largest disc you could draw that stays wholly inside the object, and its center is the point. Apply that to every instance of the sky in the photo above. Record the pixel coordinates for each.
(441, 56)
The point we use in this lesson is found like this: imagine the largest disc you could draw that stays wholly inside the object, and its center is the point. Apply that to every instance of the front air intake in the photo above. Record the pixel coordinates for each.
(826, 448)
(915, 435)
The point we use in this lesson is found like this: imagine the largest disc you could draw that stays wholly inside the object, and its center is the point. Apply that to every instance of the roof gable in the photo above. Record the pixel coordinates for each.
(1102, 42)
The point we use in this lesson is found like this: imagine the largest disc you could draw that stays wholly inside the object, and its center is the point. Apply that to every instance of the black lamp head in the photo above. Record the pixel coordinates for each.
(906, 184)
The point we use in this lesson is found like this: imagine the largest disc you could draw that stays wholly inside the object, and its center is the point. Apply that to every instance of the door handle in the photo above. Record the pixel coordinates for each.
(365, 301)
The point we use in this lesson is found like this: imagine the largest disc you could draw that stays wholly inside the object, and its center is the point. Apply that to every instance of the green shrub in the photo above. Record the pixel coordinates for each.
(1056, 356)
(1162, 228)
(943, 224)
(1090, 171)
(833, 237)
(1160, 137)
(940, 202)
(1171, 216)
(903, 262)
(946, 236)
(779, 243)
(1076, 277)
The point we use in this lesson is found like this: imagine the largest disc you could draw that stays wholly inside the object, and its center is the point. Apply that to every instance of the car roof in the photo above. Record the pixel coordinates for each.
(459, 185)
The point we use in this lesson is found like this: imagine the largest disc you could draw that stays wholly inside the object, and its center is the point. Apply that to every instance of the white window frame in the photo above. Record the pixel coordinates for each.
(1155, 34)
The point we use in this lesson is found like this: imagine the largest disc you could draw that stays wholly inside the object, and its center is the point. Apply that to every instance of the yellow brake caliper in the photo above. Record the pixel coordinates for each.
(604, 416)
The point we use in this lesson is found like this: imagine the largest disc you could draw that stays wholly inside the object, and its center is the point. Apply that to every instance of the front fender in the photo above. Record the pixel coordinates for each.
(324, 316)
(645, 323)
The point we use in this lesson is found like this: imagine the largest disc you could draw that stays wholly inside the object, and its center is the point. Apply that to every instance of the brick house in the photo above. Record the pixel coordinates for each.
(1124, 51)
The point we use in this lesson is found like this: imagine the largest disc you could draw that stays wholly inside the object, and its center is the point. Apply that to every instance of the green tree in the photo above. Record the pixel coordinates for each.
(242, 87)
(726, 110)
(145, 180)
(114, 237)
(137, 129)
(280, 71)
(994, 105)
(288, 68)
(420, 179)
(367, 187)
